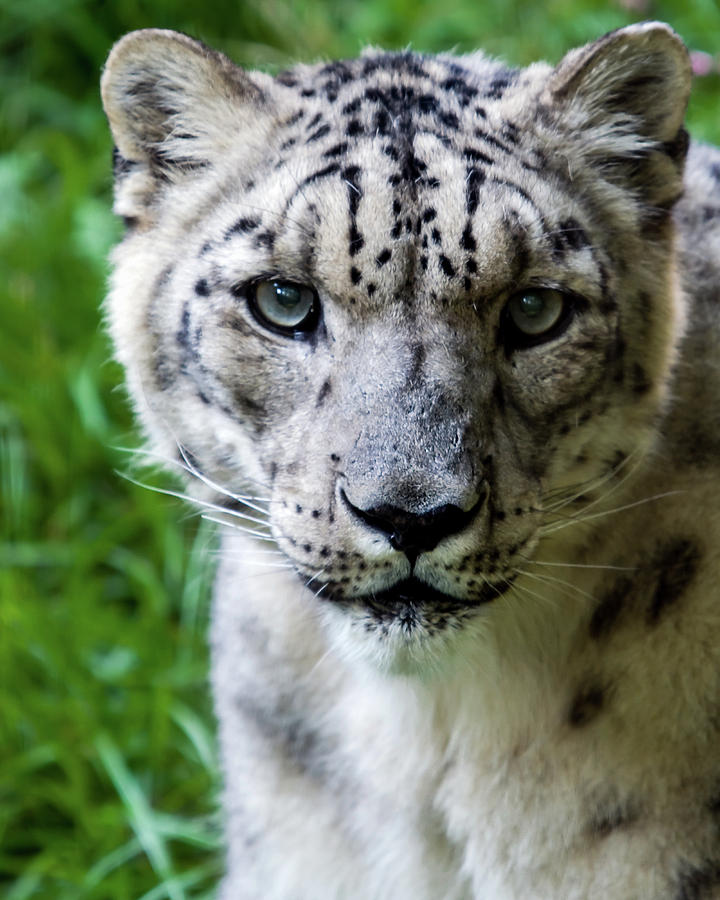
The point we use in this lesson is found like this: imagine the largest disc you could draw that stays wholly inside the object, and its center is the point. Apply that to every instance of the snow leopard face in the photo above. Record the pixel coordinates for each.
(425, 306)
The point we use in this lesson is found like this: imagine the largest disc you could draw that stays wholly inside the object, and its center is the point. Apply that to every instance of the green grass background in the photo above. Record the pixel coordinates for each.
(108, 776)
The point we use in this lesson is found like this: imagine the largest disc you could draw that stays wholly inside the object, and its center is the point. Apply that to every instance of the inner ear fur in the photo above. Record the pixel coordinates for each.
(172, 102)
(622, 100)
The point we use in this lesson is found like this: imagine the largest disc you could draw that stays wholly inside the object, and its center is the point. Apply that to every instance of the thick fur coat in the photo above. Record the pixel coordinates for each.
(435, 340)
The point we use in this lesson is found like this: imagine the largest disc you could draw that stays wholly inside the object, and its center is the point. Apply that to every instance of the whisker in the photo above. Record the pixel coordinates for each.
(537, 562)
(569, 589)
(594, 483)
(208, 482)
(247, 500)
(193, 501)
(523, 588)
(316, 575)
(262, 536)
(583, 518)
(317, 593)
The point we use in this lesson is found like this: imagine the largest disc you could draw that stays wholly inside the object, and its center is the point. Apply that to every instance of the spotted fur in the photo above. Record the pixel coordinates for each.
(465, 634)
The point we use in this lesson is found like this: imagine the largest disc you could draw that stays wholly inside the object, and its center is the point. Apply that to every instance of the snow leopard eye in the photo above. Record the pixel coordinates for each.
(286, 307)
(535, 315)
(535, 312)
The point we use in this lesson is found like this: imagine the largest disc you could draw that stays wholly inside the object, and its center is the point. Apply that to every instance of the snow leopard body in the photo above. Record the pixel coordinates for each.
(436, 341)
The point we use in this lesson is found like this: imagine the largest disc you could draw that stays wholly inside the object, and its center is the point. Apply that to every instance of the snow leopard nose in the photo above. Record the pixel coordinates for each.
(413, 533)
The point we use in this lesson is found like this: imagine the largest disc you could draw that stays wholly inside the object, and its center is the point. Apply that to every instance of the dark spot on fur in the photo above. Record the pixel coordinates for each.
(639, 380)
(317, 176)
(264, 239)
(202, 288)
(587, 704)
(418, 359)
(675, 564)
(697, 882)
(242, 226)
(337, 149)
(609, 608)
(467, 241)
(183, 333)
(355, 276)
(325, 391)
(498, 86)
(492, 141)
(573, 235)
(608, 817)
(357, 241)
(475, 178)
(286, 730)
(477, 156)
(461, 89)
(316, 135)
(447, 266)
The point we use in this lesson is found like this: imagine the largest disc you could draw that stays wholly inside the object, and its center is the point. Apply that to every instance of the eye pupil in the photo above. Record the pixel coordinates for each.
(287, 295)
(532, 305)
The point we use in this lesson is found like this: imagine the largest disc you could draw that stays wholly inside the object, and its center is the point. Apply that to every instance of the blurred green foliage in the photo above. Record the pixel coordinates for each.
(108, 776)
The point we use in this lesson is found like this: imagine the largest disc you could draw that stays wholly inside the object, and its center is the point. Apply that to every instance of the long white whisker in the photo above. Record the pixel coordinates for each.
(537, 562)
(316, 575)
(256, 534)
(240, 498)
(194, 501)
(525, 589)
(317, 593)
(571, 590)
(593, 484)
(582, 518)
(249, 500)
(617, 485)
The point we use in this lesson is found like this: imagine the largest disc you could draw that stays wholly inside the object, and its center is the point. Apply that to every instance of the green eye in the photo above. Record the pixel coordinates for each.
(534, 312)
(284, 306)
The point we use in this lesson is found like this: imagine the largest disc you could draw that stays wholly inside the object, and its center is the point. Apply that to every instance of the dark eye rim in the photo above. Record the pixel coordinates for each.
(513, 338)
(303, 330)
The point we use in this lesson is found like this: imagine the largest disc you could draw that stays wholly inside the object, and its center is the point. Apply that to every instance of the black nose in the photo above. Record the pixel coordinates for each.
(412, 533)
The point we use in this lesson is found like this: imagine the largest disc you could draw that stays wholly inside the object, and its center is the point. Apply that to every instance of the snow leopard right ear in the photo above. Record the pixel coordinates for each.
(620, 102)
(174, 106)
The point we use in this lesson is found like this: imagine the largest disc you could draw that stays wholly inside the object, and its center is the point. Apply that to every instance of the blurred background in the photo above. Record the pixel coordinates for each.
(108, 777)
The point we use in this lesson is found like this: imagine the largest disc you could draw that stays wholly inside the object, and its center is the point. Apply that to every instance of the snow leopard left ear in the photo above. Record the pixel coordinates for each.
(174, 106)
(620, 102)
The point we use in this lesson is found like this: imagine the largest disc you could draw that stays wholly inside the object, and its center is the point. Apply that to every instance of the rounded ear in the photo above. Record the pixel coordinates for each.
(624, 96)
(171, 101)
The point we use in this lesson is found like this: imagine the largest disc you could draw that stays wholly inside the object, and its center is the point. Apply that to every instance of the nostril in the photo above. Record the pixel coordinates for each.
(414, 533)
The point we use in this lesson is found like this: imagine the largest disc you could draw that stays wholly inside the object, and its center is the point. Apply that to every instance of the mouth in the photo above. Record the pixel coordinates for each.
(411, 599)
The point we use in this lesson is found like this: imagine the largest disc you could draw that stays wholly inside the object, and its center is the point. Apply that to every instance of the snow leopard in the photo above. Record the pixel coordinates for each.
(435, 341)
